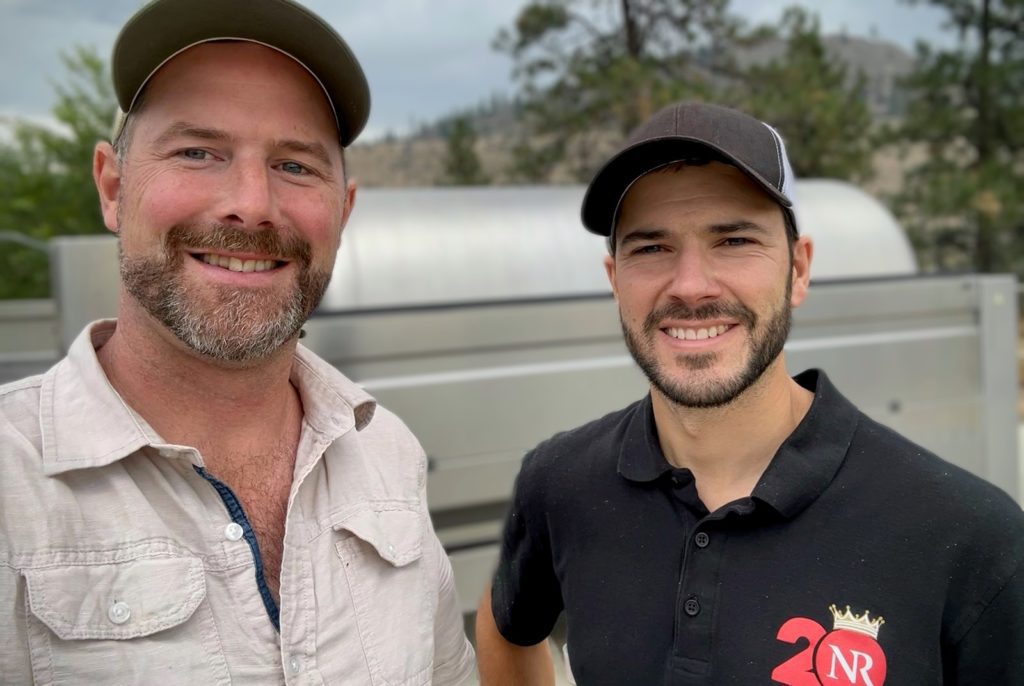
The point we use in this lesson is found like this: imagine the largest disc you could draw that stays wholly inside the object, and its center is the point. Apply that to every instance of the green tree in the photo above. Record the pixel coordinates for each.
(46, 186)
(964, 205)
(591, 70)
(809, 97)
(461, 163)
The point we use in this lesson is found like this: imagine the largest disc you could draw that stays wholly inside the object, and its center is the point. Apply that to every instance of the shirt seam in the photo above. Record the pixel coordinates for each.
(983, 606)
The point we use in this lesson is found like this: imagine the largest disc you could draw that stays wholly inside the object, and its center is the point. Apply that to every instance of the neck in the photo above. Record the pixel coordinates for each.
(728, 448)
(191, 400)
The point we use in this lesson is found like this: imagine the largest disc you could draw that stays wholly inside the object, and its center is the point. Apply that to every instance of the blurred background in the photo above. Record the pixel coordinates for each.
(919, 103)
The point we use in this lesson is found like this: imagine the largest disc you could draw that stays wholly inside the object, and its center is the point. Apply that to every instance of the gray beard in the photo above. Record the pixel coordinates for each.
(234, 325)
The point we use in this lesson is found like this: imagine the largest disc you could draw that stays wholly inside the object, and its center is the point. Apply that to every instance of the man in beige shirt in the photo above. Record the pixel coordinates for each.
(190, 496)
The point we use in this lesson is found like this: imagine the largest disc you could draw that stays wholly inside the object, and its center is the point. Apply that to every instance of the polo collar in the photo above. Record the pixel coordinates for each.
(802, 468)
(85, 423)
(808, 460)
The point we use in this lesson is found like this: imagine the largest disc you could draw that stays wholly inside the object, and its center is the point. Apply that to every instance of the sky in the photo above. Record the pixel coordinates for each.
(423, 58)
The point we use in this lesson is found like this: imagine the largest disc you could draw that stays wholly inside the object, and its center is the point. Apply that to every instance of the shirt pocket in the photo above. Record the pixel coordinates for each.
(127, 622)
(393, 592)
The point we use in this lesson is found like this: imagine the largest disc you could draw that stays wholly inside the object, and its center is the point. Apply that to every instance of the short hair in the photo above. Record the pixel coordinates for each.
(699, 156)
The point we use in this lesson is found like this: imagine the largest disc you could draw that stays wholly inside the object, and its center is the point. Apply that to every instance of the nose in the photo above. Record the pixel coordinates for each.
(249, 200)
(694, 277)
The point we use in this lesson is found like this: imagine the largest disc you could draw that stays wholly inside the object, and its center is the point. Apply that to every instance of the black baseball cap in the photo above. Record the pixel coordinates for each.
(163, 29)
(670, 136)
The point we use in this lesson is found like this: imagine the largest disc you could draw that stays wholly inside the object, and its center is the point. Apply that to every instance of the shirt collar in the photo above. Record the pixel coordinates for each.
(807, 462)
(85, 423)
(800, 471)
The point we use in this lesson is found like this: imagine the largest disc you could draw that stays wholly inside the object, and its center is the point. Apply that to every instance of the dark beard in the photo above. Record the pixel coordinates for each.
(764, 349)
(236, 325)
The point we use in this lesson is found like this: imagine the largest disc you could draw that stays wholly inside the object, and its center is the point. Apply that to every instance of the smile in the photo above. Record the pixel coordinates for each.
(235, 264)
(697, 334)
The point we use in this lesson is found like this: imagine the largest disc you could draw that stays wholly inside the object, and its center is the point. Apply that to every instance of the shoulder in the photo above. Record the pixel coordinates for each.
(573, 454)
(933, 481)
(19, 411)
(967, 523)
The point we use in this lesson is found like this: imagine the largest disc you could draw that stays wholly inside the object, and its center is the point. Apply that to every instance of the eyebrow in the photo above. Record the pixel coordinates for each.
(315, 150)
(737, 226)
(187, 130)
(637, 235)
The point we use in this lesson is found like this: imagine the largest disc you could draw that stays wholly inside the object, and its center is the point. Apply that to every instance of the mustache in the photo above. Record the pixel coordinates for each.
(711, 310)
(287, 246)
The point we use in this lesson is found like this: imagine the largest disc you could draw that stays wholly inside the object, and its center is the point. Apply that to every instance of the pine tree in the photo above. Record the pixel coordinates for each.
(964, 205)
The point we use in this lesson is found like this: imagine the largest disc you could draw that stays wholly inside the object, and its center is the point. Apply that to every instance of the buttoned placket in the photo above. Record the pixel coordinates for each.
(697, 594)
(298, 620)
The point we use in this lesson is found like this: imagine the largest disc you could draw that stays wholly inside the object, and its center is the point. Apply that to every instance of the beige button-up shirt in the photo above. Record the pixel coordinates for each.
(121, 564)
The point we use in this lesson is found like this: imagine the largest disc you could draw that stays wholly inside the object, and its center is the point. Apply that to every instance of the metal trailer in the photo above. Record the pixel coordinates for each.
(483, 318)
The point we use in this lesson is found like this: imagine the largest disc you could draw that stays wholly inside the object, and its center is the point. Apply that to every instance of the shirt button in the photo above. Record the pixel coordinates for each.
(119, 612)
(391, 549)
(233, 531)
(692, 606)
(294, 664)
(702, 539)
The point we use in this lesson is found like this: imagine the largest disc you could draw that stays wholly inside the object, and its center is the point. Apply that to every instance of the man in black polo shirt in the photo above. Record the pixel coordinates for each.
(738, 526)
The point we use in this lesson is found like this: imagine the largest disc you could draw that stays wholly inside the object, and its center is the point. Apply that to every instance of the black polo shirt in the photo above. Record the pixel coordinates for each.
(850, 515)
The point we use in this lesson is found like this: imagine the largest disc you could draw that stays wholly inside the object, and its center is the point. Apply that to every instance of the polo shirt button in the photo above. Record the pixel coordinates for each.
(692, 606)
(119, 612)
(294, 665)
(702, 539)
(233, 531)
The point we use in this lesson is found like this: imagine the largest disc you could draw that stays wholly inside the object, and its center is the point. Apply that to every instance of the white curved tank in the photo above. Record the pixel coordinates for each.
(855, 236)
(435, 246)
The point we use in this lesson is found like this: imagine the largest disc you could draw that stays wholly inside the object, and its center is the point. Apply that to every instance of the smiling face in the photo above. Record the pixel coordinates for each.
(705, 279)
(230, 200)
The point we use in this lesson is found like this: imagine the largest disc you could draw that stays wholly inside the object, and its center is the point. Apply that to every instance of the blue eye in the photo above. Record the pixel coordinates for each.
(293, 168)
(194, 154)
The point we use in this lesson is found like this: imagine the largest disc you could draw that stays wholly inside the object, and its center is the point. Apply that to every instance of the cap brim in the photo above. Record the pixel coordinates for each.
(607, 189)
(164, 28)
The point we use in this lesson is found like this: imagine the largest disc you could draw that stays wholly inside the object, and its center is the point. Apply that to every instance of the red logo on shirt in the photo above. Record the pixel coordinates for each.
(849, 655)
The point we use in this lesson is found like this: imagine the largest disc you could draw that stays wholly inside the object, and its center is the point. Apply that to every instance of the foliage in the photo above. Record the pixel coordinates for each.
(594, 69)
(461, 163)
(808, 97)
(964, 204)
(46, 186)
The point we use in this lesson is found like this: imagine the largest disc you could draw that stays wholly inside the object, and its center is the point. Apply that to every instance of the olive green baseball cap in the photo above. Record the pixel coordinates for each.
(163, 29)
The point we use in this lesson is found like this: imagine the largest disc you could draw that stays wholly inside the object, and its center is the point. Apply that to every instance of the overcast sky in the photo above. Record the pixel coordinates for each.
(423, 58)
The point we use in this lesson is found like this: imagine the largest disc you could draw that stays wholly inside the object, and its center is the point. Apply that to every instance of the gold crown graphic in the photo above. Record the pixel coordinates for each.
(859, 623)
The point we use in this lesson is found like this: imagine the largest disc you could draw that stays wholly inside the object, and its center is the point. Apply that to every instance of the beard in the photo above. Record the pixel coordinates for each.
(764, 341)
(228, 324)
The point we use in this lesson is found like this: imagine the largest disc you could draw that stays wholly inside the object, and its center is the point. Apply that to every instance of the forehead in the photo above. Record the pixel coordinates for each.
(216, 75)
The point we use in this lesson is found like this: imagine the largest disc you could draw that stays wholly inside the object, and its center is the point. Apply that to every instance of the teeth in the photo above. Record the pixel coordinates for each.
(697, 334)
(236, 265)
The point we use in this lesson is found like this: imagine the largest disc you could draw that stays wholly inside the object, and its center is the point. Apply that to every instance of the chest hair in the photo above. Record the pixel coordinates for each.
(262, 484)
